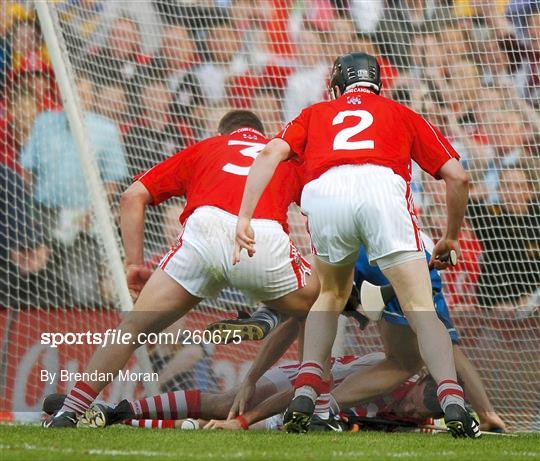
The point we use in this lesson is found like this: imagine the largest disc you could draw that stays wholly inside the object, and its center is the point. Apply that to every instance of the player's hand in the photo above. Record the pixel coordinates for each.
(243, 396)
(229, 425)
(491, 422)
(245, 239)
(445, 254)
(137, 275)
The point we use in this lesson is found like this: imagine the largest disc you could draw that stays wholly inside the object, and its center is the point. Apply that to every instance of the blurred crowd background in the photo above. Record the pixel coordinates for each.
(155, 76)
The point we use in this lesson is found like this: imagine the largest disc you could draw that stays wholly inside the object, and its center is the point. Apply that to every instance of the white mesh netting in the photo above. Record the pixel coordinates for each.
(155, 76)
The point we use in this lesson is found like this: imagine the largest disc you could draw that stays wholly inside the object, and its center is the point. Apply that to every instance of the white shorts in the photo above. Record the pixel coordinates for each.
(353, 205)
(283, 375)
(201, 261)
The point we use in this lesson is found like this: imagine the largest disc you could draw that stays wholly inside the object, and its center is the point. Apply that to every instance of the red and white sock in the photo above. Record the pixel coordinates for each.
(450, 392)
(79, 398)
(151, 423)
(170, 405)
(322, 405)
(309, 380)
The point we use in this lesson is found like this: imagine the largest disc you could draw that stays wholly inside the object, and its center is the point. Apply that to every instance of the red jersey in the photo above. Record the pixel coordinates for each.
(362, 127)
(387, 406)
(213, 172)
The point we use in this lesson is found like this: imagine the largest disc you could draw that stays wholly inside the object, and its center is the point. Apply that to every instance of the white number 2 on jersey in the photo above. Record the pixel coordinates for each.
(253, 149)
(341, 141)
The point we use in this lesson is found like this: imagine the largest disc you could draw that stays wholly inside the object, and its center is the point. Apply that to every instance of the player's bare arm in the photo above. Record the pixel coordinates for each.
(476, 393)
(457, 194)
(259, 176)
(271, 406)
(273, 348)
(132, 209)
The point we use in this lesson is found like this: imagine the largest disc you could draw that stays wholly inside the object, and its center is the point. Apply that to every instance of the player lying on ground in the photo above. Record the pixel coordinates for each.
(358, 149)
(275, 345)
(410, 404)
(355, 380)
(402, 347)
(211, 175)
(413, 401)
(402, 356)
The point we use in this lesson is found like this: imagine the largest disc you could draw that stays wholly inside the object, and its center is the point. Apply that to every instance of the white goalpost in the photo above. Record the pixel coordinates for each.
(111, 246)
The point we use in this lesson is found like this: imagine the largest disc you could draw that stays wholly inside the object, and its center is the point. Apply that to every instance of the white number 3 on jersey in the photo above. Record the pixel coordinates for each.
(341, 141)
(253, 149)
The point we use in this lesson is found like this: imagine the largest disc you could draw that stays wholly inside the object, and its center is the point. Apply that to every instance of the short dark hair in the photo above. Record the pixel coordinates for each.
(235, 119)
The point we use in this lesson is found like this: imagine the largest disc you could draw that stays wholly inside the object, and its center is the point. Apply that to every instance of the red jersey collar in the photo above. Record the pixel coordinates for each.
(250, 130)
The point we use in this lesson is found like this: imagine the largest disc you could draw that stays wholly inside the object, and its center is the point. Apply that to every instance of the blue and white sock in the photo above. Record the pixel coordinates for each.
(264, 314)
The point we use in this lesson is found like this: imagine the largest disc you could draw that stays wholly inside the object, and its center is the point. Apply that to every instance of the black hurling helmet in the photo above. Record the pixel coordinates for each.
(361, 68)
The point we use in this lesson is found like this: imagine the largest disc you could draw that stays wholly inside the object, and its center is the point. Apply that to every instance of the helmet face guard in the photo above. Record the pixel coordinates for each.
(355, 68)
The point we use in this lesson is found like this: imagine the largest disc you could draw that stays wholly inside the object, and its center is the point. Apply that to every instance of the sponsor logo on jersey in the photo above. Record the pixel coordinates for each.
(354, 100)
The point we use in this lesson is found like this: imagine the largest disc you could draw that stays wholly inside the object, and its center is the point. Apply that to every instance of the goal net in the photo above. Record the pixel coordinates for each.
(152, 77)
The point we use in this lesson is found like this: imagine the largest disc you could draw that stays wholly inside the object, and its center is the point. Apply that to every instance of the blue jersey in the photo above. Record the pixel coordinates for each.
(392, 312)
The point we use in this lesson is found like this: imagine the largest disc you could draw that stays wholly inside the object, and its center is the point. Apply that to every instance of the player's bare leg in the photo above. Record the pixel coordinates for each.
(161, 302)
(297, 303)
(321, 323)
(412, 285)
(320, 332)
(413, 288)
(257, 326)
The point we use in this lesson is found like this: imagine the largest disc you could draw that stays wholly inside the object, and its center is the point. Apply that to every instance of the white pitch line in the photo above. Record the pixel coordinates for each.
(92, 451)
(241, 454)
(125, 453)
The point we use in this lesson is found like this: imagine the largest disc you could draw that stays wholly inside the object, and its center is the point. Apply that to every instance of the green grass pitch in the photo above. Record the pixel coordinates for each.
(19, 442)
